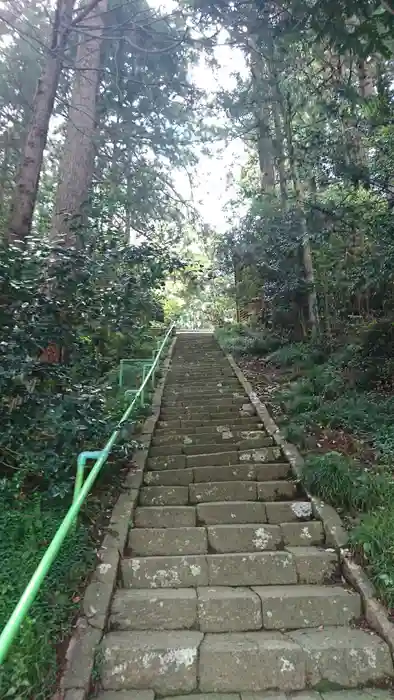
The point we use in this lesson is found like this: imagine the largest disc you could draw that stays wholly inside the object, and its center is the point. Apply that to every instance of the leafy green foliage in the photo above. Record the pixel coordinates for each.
(98, 310)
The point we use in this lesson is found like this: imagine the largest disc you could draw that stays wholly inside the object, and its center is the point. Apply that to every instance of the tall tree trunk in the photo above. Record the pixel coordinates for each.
(75, 171)
(306, 251)
(263, 117)
(27, 181)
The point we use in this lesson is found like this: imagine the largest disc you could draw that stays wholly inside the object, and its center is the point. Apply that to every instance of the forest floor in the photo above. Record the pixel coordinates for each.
(344, 429)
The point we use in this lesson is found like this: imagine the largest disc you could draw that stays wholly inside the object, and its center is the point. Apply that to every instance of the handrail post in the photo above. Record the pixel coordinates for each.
(81, 464)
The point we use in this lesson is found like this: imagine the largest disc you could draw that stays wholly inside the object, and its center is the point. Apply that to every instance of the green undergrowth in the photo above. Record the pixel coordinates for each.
(336, 402)
(241, 340)
(25, 532)
(33, 501)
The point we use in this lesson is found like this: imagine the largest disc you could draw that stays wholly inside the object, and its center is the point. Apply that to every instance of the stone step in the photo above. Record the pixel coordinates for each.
(165, 572)
(244, 538)
(312, 565)
(235, 472)
(168, 541)
(116, 695)
(295, 607)
(209, 392)
(241, 472)
(234, 399)
(224, 413)
(258, 455)
(165, 516)
(260, 661)
(277, 490)
(169, 477)
(164, 496)
(206, 609)
(365, 694)
(210, 386)
(223, 491)
(221, 432)
(165, 662)
(147, 609)
(223, 441)
(231, 512)
(201, 424)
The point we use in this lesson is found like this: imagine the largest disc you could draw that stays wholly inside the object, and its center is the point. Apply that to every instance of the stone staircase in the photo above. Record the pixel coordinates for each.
(226, 586)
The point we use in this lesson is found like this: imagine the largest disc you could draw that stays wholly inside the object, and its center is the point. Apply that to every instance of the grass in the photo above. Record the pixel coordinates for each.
(25, 532)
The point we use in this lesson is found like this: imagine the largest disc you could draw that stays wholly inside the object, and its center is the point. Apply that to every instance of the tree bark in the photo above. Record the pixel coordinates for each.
(27, 181)
(306, 251)
(75, 171)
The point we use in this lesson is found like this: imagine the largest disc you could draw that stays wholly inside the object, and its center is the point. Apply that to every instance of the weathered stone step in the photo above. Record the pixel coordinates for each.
(225, 434)
(165, 516)
(312, 565)
(365, 694)
(225, 458)
(201, 423)
(209, 386)
(168, 541)
(217, 399)
(165, 572)
(242, 472)
(164, 496)
(147, 609)
(115, 695)
(223, 491)
(165, 662)
(227, 412)
(223, 390)
(208, 429)
(244, 538)
(294, 607)
(231, 512)
(236, 472)
(214, 403)
(226, 441)
(227, 609)
(260, 661)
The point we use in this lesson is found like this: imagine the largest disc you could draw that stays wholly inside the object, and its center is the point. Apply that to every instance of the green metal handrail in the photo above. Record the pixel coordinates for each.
(81, 491)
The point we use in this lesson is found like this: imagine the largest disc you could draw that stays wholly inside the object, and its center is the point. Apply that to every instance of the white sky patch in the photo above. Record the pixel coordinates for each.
(213, 176)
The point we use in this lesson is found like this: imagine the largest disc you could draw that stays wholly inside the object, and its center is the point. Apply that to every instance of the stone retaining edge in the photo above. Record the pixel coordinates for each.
(336, 535)
(76, 679)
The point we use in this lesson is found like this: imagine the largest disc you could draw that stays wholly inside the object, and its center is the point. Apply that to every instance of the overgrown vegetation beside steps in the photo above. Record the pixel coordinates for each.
(335, 400)
(30, 513)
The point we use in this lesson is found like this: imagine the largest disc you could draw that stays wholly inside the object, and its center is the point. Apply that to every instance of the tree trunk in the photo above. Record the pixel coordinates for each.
(306, 251)
(75, 171)
(263, 118)
(27, 181)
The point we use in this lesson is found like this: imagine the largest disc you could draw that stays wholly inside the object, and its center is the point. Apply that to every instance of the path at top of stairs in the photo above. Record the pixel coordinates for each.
(227, 586)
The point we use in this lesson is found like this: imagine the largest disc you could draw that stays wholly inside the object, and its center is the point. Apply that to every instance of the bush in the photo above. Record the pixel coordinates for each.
(344, 484)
